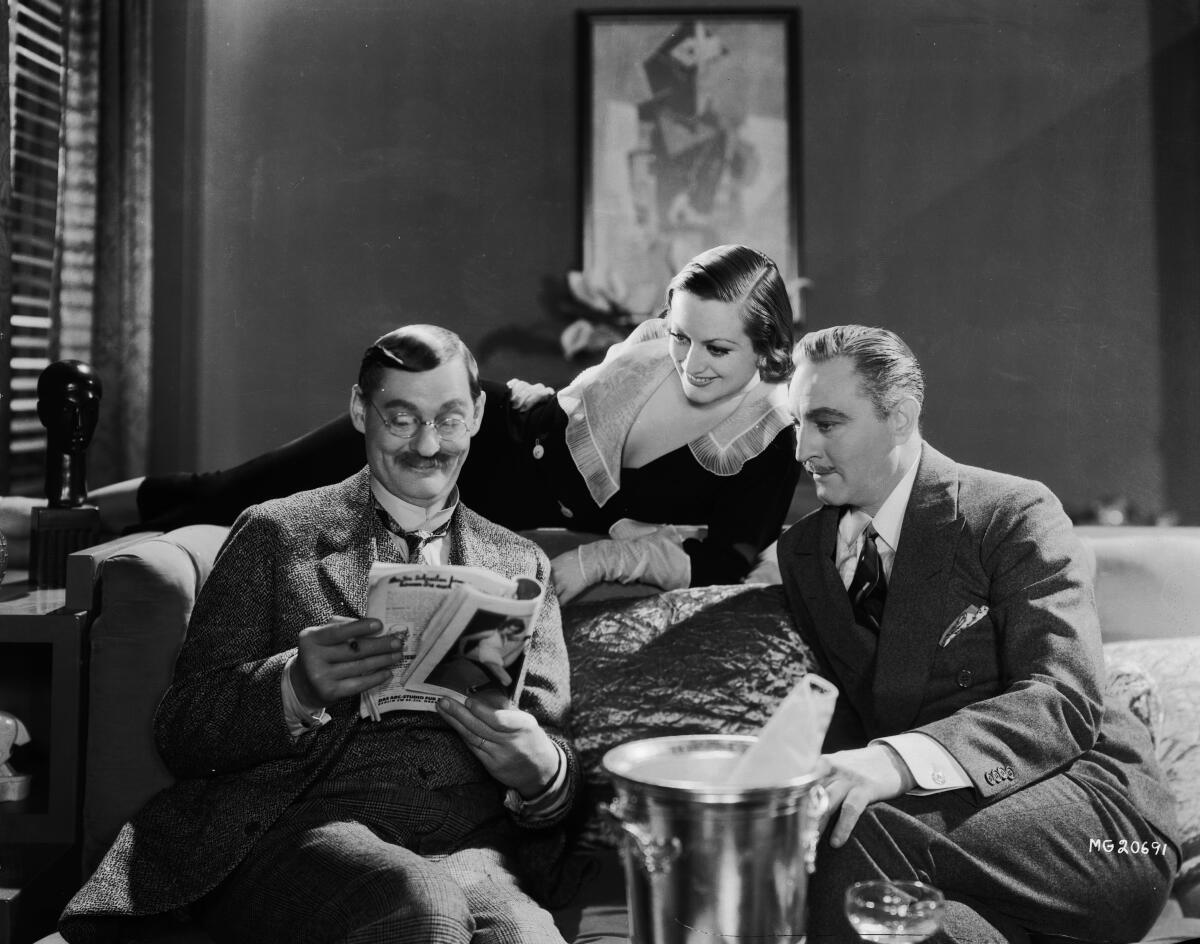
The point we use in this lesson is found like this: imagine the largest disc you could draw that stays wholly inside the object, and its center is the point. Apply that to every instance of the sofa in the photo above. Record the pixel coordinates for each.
(644, 663)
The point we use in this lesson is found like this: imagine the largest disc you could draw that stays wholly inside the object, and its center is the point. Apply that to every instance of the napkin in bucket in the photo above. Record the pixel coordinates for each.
(789, 743)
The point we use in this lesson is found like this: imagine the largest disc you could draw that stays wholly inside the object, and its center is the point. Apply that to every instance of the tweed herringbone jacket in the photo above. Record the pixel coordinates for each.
(286, 564)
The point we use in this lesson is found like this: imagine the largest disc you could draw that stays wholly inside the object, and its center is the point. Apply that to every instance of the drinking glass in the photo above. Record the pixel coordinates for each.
(894, 912)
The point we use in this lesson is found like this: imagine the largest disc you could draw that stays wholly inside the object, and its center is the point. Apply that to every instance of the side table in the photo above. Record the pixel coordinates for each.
(41, 682)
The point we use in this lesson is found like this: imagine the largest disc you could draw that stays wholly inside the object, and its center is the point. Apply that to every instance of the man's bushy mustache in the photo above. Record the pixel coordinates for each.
(426, 462)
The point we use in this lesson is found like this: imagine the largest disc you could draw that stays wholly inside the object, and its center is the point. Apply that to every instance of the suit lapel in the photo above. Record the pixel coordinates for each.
(352, 535)
(849, 648)
(466, 548)
(913, 619)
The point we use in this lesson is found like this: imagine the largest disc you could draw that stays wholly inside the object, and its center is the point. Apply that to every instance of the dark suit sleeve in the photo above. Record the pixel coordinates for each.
(223, 711)
(1022, 555)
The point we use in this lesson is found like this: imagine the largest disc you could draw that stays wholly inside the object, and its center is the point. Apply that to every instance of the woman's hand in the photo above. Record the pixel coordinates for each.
(567, 573)
(657, 558)
(510, 742)
(525, 395)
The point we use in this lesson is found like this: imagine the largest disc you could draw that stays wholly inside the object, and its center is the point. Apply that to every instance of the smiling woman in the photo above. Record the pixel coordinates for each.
(684, 423)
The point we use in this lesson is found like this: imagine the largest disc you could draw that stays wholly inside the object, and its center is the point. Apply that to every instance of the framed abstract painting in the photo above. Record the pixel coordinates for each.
(690, 133)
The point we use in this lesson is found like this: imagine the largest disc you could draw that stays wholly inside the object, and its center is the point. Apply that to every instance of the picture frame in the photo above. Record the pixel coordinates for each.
(690, 139)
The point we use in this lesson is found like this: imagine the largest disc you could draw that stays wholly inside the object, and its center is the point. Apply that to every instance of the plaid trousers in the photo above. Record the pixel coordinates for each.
(355, 869)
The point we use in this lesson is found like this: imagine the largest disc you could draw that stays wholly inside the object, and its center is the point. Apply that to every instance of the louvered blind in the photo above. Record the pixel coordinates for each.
(35, 72)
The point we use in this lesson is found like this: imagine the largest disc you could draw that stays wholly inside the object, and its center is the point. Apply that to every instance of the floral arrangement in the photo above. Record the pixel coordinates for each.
(598, 313)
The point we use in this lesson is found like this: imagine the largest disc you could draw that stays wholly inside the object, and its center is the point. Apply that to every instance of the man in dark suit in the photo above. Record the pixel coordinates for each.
(971, 746)
(293, 819)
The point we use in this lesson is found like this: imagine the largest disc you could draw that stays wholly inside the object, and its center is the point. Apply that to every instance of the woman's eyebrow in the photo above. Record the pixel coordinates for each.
(733, 341)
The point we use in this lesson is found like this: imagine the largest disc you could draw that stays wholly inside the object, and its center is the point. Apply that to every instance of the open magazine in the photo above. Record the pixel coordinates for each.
(464, 629)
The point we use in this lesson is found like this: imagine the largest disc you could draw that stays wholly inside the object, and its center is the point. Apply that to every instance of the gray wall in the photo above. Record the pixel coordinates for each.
(978, 177)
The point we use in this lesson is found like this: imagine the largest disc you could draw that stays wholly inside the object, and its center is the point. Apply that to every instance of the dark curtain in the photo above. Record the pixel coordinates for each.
(5, 256)
(104, 302)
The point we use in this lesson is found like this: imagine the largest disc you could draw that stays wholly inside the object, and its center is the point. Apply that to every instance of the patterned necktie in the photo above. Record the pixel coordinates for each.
(415, 541)
(868, 588)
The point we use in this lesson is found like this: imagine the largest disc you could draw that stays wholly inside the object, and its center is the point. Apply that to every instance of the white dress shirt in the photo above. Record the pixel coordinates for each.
(417, 518)
(933, 767)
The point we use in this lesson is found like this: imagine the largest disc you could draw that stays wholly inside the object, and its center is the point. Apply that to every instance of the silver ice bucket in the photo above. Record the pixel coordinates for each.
(710, 863)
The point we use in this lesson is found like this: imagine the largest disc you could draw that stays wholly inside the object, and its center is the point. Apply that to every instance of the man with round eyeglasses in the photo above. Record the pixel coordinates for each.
(292, 818)
(417, 431)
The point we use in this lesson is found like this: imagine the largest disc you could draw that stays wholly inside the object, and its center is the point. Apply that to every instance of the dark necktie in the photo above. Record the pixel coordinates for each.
(868, 588)
(415, 541)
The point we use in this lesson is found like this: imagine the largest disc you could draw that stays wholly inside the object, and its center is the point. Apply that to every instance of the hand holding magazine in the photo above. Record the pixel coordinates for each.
(465, 629)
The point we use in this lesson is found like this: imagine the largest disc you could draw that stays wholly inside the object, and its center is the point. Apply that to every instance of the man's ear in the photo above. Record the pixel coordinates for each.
(478, 424)
(358, 409)
(905, 419)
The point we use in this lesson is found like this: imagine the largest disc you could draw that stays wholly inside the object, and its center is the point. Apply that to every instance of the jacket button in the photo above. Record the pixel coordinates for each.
(965, 678)
(987, 778)
(1010, 774)
(252, 828)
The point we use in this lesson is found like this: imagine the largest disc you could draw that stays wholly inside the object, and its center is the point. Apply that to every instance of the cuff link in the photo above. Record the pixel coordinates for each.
(513, 801)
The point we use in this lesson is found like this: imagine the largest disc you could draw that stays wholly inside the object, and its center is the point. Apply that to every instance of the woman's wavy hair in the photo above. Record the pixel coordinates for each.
(745, 277)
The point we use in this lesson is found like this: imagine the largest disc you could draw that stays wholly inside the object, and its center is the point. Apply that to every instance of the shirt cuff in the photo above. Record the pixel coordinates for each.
(299, 716)
(932, 766)
(547, 804)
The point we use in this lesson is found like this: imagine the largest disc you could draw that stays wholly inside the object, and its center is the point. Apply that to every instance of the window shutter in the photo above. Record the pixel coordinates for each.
(36, 37)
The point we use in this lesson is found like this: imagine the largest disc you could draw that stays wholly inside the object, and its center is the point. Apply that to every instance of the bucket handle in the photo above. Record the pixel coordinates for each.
(818, 803)
(656, 855)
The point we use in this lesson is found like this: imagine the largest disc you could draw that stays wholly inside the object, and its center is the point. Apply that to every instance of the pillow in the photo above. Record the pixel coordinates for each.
(1174, 665)
(598, 628)
(711, 660)
(1132, 685)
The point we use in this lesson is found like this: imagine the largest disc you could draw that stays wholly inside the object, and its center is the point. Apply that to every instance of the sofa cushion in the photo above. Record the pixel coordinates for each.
(1174, 665)
(146, 596)
(712, 660)
(1131, 683)
(1146, 586)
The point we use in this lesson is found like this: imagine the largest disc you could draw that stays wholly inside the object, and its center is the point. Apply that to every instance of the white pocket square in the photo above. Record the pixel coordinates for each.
(968, 617)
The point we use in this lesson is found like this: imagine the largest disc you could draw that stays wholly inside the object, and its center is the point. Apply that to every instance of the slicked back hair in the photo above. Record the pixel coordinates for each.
(416, 348)
(745, 277)
(886, 366)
